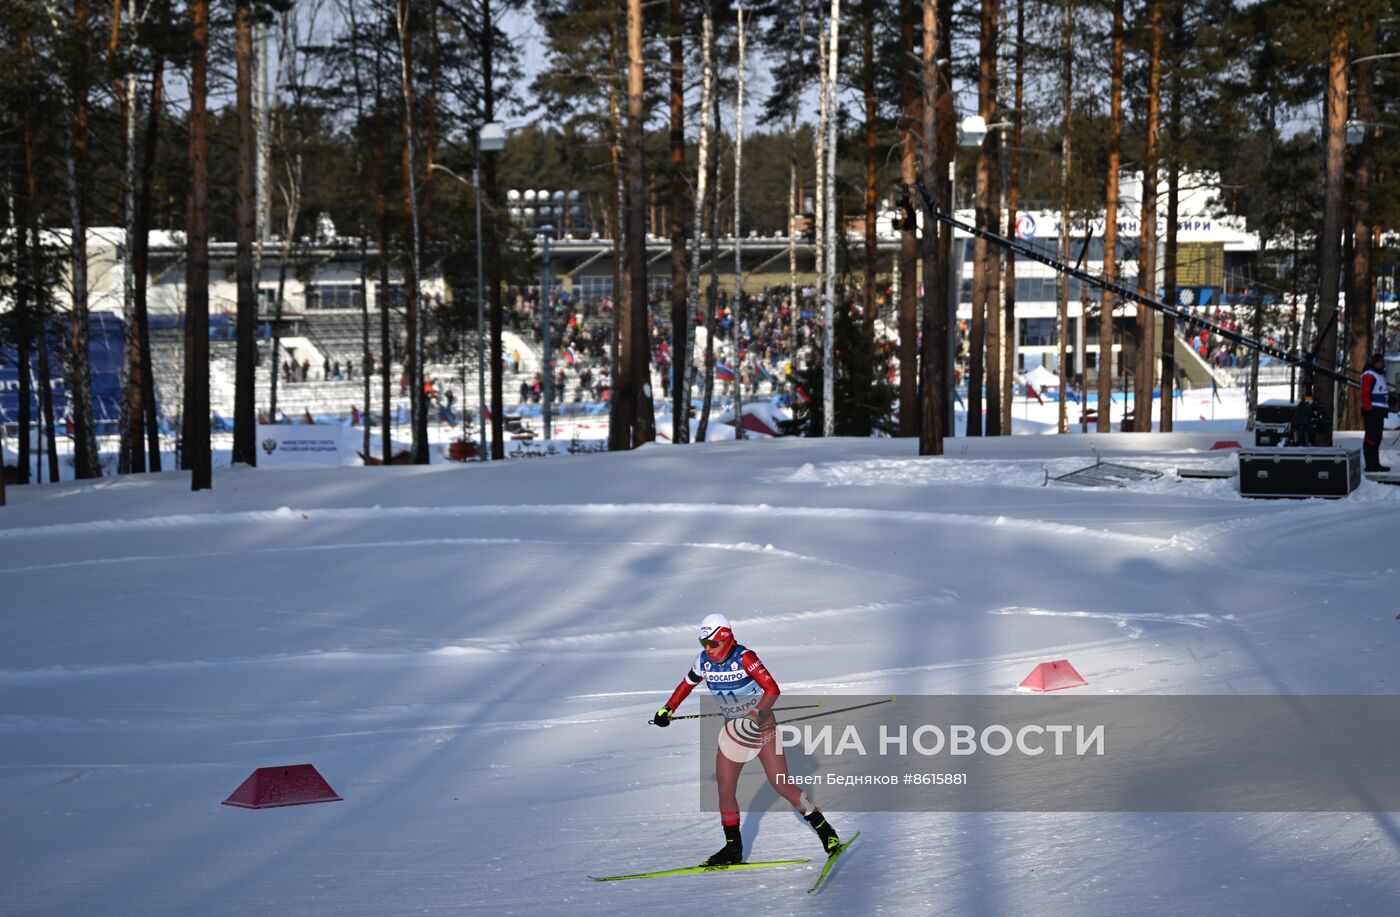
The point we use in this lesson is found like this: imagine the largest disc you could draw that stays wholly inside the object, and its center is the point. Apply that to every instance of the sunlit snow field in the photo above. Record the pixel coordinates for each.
(470, 654)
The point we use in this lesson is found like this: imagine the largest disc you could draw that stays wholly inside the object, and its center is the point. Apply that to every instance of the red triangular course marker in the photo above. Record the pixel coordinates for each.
(288, 785)
(1053, 676)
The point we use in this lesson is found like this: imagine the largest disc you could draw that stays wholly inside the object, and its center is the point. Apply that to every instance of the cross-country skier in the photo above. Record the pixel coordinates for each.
(746, 694)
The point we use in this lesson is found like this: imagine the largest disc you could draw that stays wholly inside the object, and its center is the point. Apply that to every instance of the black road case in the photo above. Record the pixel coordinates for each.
(1299, 472)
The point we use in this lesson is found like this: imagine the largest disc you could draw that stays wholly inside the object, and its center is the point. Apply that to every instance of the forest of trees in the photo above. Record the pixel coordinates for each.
(243, 119)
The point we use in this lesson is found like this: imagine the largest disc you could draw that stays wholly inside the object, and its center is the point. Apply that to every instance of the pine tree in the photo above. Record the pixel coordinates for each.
(865, 397)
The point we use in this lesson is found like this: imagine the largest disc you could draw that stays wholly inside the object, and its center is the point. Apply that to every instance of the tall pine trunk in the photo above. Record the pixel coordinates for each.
(987, 338)
(245, 361)
(1173, 208)
(143, 409)
(794, 185)
(909, 238)
(196, 447)
(680, 314)
(872, 142)
(413, 356)
(1330, 241)
(819, 163)
(1146, 363)
(1104, 422)
(126, 87)
(622, 410)
(934, 244)
(493, 284)
(639, 367)
(1361, 290)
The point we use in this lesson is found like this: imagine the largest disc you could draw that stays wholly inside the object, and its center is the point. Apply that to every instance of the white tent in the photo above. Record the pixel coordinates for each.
(1042, 378)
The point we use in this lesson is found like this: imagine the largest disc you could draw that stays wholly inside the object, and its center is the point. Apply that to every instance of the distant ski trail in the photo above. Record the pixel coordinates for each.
(291, 516)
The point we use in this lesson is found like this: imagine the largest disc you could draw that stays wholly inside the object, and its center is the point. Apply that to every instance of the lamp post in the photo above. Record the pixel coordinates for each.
(972, 132)
(490, 139)
(546, 345)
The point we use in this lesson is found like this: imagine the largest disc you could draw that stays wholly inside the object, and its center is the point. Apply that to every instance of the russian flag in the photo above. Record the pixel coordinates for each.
(724, 372)
(802, 395)
(570, 355)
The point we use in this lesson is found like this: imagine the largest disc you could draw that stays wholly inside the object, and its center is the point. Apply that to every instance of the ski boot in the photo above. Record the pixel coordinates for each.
(830, 842)
(732, 852)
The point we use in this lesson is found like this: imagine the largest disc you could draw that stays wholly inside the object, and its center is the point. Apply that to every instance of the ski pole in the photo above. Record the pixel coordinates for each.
(700, 716)
(811, 716)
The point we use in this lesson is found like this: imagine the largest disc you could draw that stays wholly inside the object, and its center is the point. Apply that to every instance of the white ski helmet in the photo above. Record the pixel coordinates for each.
(715, 629)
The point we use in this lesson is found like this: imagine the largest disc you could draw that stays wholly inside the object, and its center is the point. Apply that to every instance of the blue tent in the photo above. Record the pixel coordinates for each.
(104, 358)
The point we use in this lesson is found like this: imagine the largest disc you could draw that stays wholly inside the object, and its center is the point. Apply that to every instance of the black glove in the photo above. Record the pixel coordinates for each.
(662, 718)
(764, 719)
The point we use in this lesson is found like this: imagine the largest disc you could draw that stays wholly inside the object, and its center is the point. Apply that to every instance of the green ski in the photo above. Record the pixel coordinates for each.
(685, 870)
(830, 862)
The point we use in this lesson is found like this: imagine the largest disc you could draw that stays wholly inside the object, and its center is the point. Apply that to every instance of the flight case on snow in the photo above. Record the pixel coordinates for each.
(1299, 472)
(1270, 434)
(1274, 411)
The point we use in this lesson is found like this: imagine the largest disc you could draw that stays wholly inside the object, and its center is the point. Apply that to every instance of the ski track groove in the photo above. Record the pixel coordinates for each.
(291, 516)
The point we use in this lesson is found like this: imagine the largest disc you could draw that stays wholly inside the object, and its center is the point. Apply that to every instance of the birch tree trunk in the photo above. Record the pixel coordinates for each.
(50, 434)
(1062, 281)
(291, 198)
(829, 310)
(86, 463)
(1013, 202)
(872, 252)
(244, 410)
(736, 308)
(701, 205)
(712, 300)
(985, 369)
(701, 200)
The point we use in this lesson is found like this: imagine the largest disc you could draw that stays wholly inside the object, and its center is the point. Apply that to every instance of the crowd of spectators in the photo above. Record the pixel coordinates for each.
(776, 342)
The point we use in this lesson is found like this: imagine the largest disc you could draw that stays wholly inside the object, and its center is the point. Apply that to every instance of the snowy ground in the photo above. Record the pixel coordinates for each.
(470, 653)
